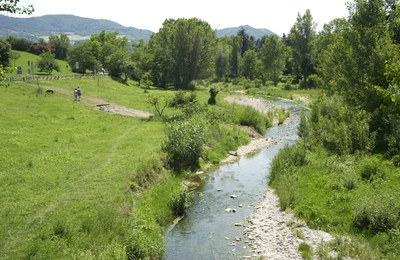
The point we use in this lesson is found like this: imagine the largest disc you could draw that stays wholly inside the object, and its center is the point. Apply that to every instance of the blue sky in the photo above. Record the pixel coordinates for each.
(277, 15)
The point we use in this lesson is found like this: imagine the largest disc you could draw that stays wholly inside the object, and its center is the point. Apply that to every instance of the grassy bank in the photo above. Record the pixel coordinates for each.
(333, 179)
(78, 182)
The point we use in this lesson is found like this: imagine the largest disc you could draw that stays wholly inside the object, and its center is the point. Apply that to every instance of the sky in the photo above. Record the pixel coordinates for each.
(275, 15)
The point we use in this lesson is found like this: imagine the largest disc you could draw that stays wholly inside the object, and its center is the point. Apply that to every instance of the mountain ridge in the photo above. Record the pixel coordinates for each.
(80, 28)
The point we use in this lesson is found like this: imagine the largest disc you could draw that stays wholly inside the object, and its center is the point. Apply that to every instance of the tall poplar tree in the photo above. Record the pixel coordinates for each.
(273, 56)
(301, 39)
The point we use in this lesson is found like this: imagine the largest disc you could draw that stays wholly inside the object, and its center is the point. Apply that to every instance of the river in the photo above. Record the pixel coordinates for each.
(208, 231)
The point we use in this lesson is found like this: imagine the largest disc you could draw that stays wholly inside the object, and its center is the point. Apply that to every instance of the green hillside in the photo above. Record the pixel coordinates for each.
(33, 28)
(26, 57)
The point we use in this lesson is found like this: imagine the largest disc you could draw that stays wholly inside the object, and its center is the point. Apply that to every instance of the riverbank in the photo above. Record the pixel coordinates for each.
(275, 234)
(272, 233)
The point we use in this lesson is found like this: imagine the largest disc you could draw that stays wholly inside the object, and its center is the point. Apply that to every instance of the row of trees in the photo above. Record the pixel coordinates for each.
(185, 50)
(358, 58)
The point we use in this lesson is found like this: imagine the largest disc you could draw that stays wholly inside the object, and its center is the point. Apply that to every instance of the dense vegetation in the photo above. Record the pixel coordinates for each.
(343, 175)
(81, 190)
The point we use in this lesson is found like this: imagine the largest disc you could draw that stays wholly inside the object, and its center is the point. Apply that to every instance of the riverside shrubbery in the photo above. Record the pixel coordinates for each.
(338, 127)
(196, 133)
(249, 116)
(377, 213)
(180, 201)
(336, 180)
(183, 144)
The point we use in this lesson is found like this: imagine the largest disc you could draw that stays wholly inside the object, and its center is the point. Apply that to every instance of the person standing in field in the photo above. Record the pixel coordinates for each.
(79, 93)
(76, 94)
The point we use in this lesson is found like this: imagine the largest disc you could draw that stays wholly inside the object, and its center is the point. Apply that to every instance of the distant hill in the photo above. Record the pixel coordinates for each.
(77, 28)
(256, 33)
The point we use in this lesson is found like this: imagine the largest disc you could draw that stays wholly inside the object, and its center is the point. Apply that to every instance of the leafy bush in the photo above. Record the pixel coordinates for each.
(182, 98)
(304, 125)
(183, 144)
(213, 95)
(249, 116)
(377, 214)
(286, 186)
(340, 128)
(396, 160)
(371, 169)
(180, 201)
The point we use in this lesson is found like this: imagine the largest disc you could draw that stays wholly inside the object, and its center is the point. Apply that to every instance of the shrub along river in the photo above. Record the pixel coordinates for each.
(213, 227)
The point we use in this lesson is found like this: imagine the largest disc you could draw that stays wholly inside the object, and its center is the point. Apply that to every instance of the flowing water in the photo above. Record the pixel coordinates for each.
(208, 231)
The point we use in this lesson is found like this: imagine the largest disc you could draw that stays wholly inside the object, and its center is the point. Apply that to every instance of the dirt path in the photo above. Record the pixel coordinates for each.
(103, 105)
(272, 233)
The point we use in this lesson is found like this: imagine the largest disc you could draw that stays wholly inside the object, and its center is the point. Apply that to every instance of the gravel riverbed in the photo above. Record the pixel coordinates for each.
(272, 233)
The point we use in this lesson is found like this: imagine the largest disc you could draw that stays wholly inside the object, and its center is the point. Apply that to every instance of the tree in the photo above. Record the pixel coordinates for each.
(14, 57)
(235, 57)
(11, 6)
(247, 42)
(222, 60)
(182, 52)
(5, 53)
(355, 60)
(82, 56)
(40, 46)
(273, 56)
(119, 64)
(47, 63)
(329, 51)
(141, 61)
(249, 64)
(60, 45)
(105, 43)
(301, 39)
(19, 44)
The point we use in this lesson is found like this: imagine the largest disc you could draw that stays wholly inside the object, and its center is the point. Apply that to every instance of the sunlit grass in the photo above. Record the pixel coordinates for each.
(64, 165)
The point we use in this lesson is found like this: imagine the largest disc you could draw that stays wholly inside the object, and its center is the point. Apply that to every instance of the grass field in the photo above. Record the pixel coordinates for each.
(63, 166)
(66, 172)
(23, 62)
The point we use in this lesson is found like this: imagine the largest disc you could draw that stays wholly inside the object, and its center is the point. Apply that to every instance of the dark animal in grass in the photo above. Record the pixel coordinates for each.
(49, 91)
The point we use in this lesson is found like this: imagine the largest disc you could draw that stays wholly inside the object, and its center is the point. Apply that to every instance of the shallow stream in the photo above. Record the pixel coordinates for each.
(208, 231)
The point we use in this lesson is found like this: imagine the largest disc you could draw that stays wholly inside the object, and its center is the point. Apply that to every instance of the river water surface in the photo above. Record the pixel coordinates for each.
(208, 231)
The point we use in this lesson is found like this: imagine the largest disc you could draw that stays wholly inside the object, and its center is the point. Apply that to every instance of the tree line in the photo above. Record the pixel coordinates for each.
(357, 57)
(182, 51)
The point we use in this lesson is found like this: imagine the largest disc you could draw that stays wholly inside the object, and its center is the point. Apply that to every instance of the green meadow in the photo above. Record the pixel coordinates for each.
(65, 173)
(25, 57)
(82, 183)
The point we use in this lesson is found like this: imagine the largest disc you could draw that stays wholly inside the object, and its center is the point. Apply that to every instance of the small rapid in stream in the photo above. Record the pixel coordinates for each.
(208, 231)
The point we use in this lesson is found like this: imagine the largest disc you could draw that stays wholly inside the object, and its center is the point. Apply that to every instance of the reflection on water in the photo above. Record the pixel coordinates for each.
(208, 231)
